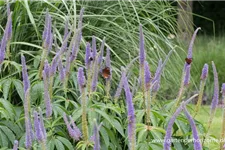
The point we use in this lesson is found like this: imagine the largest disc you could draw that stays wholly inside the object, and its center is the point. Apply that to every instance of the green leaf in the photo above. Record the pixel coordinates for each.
(65, 142)
(112, 121)
(19, 88)
(59, 145)
(6, 87)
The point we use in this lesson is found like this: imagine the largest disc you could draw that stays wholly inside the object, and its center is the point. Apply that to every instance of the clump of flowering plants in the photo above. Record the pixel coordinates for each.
(70, 99)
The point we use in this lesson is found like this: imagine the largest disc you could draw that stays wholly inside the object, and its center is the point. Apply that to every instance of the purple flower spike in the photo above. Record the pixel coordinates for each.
(142, 48)
(62, 73)
(223, 89)
(28, 134)
(167, 139)
(75, 128)
(96, 136)
(189, 56)
(73, 134)
(216, 89)
(42, 125)
(147, 75)
(26, 81)
(120, 86)
(204, 72)
(47, 69)
(81, 78)
(87, 56)
(94, 50)
(8, 28)
(54, 65)
(15, 146)
(37, 127)
(197, 143)
(157, 78)
(187, 75)
(47, 33)
(130, 114)
(46, 95)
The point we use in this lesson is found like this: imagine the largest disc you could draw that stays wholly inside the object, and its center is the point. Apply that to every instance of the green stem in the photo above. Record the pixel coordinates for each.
(84, 115)
(149, 98)
(43, 146)
(51, 86)
(8, 50)
(209, 125)
(223, 127)
(142, 71)
(199, 102)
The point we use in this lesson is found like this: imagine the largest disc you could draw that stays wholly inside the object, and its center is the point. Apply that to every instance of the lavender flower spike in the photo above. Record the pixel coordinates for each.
(197, 143)
(42, 124)
(62, 73)
(130, 114)
(54, 65)
(9, 23)
(108, 61)
(87, 56)
(142, 49)
(26, 81)
(147, 75)
(204, 72)
(189, 56)
(15, 146)
(120, 86)
(167, 138)
(81, 78)
(75, 128)
(96, 136)
(37, 127)
(46, 95)
(216, 89)
(187, 75)
(157, 78)
(71, 131)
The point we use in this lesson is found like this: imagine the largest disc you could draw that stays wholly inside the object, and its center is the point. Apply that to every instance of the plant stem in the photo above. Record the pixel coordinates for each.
(197, 107)
(148, 105)
(84, 114)
(43, 57)
(223, 126)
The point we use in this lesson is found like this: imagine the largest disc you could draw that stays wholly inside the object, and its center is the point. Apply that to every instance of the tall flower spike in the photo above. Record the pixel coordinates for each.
(77, 39)
(120, 86)
(75, 128)
(15, 146)
(187, 75)
(223, 89)
(66, 29)
(62, 73)
(37, 127)
(131, 115)
(47, 33)
(96, 136)
(81, 78)
(72, 132)
(142, 49)
(216, 89)
(42, 124)
(202, 86)
(157, 78)
(54, 64)
(9, 23)
(26, 81)
(197, 143)
(147, 75)
(167, 138)
(189, 56)
(46, 94)
(87, 56)
(108, 61)
(47, 69)
(205, 72)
